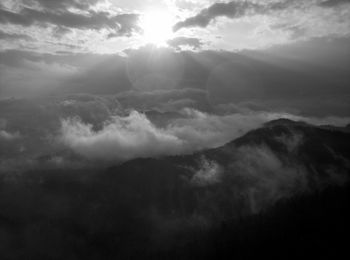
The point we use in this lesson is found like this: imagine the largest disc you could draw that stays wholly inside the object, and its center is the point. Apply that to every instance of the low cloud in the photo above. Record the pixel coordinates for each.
(265, 178)
(7, 136)
(135, 135)
(165, 100)
(122, 138)
(291, 141)
(108, 128)
(209, 173)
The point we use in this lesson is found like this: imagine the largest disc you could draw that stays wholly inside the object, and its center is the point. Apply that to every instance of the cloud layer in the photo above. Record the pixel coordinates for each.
(133, 136)
(232, 9)
(43, 13)
(237, 9)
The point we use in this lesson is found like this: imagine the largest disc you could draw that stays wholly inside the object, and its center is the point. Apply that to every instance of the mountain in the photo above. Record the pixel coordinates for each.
(277, 161)
(280, 190)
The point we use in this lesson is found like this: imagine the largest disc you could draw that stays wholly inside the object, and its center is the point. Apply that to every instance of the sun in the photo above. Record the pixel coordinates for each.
(157, 27)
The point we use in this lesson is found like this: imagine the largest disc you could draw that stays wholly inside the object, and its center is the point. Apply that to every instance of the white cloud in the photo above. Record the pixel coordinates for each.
(292, 141)
(7, 136)
(209, 173)
(266, 178)
(122, 138)
(133, 136)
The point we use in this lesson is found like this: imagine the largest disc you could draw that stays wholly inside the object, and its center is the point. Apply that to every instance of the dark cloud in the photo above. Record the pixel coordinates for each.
(63, 4)
(237, 9)
(128, 24)
(14, 36)
(122, 24)
(60, 31)
(177, 42)
(331, 3)
(8, 17)
(234, 9)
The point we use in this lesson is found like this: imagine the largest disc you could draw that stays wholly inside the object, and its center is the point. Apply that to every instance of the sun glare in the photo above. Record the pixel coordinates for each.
(157, 27)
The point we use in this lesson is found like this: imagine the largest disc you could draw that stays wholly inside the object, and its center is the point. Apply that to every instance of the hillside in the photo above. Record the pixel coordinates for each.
(279, 189)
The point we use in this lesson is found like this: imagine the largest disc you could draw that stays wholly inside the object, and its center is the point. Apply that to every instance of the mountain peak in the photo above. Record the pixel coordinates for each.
(284, 121)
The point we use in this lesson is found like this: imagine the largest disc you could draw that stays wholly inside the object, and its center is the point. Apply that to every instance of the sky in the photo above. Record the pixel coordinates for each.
(111, 26)
(266, 52)
(273, 53)
(124, 79)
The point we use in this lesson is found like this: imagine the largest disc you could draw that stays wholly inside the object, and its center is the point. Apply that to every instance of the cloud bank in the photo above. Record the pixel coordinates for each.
(81, 129)
(133, 136)
(122, 139)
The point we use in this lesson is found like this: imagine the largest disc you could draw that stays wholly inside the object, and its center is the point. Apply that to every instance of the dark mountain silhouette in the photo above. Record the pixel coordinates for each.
(309, 154)
(278, 191)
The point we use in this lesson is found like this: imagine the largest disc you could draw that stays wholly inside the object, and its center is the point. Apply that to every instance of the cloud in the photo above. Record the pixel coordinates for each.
(62, 4)
(122, 139)
(238, 9)
(14, 36)
(298, 78)
(26, 73)
(256, 175)
(291, 141)
(121, 24)
(135, 135)
(332, 3)
(7, 136)
(264, 178)
(165, 100)
(209, 173)
(234, 9)
(83, 128)
(128, 24)
(179, 42)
